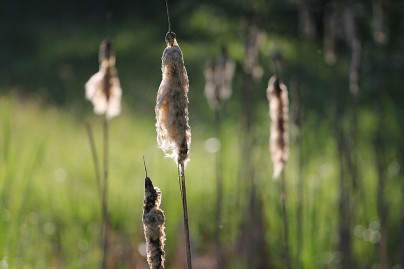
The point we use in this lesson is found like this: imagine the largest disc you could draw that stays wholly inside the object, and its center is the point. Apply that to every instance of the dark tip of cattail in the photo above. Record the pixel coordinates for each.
(105, 49)
(148, 184)
(149, 188)
(170, 38)
(150, 195)
(276, 84)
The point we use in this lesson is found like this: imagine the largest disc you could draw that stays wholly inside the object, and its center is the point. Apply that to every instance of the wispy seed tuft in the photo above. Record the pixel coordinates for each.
(103, 89)
(173, 130)
(153, 225)
(277, 95)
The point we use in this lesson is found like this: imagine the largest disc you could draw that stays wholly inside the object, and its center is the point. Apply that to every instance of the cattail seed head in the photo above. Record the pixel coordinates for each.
(173, 131)
(153, 225)
(219, 76)
(103, 89)
(277, 94)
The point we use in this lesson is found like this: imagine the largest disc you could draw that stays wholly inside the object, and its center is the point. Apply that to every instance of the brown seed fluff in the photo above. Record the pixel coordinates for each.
(277, 95)
(173, 131)
(103, 89)
(153, 225)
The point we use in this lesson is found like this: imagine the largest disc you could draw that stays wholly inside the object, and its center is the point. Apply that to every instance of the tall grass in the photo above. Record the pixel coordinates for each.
(49, 212)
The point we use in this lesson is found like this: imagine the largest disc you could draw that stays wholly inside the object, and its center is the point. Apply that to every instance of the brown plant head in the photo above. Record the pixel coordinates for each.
(277, 95)
(103, 89)
(218, 79)
(153, 226)
(173, 131)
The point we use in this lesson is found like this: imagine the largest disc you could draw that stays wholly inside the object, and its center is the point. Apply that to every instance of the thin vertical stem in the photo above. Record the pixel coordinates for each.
(102, 186)
(300, 203)
(297, 121)
(285, 222)
(219, 191)
(95, 156)
(105, 230)
(185, 209)
(382, 206)
(168, 18)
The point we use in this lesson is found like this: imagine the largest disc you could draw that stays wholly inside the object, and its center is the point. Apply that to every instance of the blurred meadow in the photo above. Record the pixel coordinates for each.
(344, 181)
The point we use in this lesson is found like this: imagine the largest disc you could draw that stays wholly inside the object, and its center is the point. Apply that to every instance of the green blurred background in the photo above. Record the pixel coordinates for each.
(344, 181)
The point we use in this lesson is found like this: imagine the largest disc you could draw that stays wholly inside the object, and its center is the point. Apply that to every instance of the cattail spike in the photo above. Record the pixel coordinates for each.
(153, 225)
(173, 131)
(105, 51)
(103, 89)
(277, 94)
(219, 76)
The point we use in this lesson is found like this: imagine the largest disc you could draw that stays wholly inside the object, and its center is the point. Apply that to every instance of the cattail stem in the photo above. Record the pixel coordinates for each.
(168, 18)
(219, 190)
(285, 222)
(105, 226)
(300, 202)
(102, 181)
(297, 122)
(181, 175)
(381, 200)
(95, 157)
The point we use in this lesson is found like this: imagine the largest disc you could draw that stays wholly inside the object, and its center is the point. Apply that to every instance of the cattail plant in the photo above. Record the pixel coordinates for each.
(104, 91)
(173, 131)
(218, 79)
(277, 95)
(218, 88)
(103, 88)
(153, 225)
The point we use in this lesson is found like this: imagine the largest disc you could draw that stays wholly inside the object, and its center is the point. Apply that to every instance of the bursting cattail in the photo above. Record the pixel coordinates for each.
(103, 88)
(277, 94)
(219, 77)
(173, 131)
(153, 225)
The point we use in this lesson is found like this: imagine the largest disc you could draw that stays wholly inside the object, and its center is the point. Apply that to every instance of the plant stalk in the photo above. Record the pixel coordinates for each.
(105, 222)
(95, 157)
(181, 174)
(285, 222)
(219, 192)
(300, 203)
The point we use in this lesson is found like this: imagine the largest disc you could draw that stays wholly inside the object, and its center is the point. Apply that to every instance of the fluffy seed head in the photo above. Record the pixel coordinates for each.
(153, 226)
(103, 89)
(277, 94)
(218, 76)
(173, 131)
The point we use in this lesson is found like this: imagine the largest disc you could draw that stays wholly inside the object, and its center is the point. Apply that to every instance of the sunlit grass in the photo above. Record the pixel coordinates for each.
(49, 208)
(49, 193)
